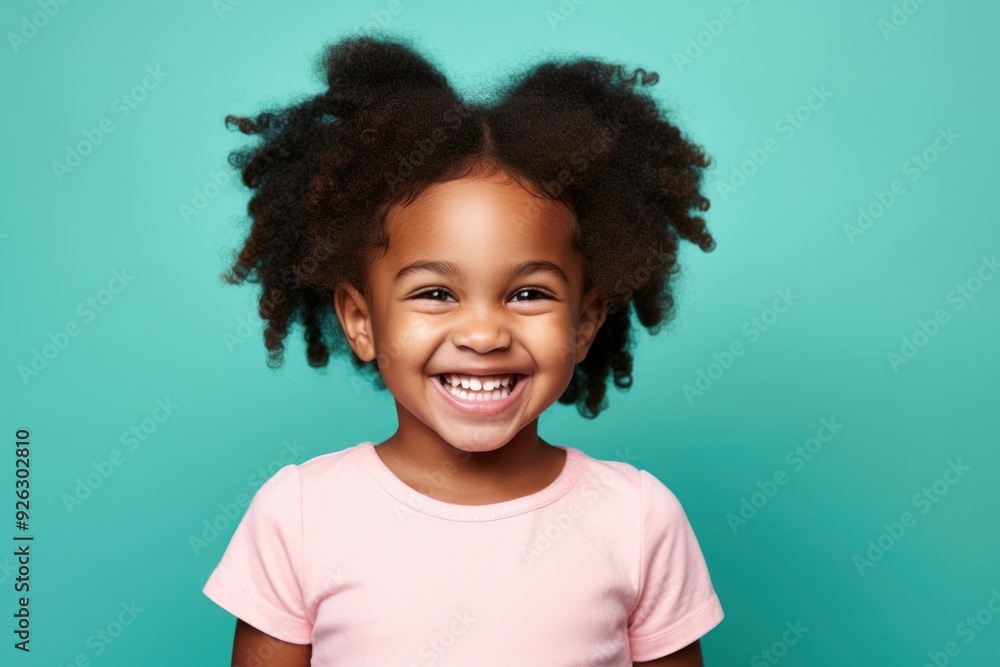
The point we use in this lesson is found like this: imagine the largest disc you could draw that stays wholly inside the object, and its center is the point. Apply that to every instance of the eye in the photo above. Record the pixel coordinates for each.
(435, 294)
(535, 290)
(426, 294)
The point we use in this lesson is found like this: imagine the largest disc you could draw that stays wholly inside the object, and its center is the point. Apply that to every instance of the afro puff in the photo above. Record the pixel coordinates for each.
(328, 169)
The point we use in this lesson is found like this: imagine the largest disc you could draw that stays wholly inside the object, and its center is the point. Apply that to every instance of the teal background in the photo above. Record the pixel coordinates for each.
(825, 356)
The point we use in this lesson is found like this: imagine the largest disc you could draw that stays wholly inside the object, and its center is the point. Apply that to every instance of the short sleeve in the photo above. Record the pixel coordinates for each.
(676, 604)
(259, 578)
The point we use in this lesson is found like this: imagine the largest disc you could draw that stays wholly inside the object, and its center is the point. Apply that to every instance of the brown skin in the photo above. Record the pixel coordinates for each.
(475, 320)
(689, 656)
(252, 643)
(253, 647)
(479, 318)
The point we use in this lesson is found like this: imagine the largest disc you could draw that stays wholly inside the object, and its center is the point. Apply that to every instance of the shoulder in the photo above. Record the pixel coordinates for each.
(638, 484)
(294, 480)
(333, 479)
(627, 490)
(330, 462)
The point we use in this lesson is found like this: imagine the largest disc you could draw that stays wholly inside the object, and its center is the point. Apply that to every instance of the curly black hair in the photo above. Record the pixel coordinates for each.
(582, 131)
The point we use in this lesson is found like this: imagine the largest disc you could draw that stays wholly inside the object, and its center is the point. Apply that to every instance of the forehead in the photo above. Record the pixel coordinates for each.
(480, 218)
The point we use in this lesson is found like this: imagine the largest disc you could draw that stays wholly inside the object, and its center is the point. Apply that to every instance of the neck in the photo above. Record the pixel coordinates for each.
(422, 450)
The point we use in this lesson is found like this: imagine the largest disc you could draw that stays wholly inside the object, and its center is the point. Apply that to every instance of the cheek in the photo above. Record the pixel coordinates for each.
(423, 327)
(552, 343)
(394, 344)
(411, 339)
(419, 333)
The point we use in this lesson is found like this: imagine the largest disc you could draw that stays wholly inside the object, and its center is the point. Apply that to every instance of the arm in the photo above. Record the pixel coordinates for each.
(689, 656)
(253, 647)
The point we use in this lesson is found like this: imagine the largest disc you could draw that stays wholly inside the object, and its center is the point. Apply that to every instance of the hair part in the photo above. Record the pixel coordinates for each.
(329, 169)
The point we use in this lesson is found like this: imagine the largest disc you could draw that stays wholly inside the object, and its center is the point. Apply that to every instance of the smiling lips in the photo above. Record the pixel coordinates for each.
(479, 387)
(461, 391)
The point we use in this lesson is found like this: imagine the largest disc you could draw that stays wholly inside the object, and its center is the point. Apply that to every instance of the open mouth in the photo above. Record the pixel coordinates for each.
(500, 399)
(494, 389)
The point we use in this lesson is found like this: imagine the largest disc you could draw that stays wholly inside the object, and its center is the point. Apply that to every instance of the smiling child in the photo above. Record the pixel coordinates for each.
(480, 262)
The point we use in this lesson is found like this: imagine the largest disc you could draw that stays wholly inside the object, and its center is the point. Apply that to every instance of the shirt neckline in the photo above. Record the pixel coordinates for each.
(385, 478)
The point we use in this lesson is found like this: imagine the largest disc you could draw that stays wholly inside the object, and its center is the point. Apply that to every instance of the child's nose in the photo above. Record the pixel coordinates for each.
(482, 330)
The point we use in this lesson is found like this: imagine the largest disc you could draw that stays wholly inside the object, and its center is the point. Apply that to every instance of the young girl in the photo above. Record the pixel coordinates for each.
(481, 262)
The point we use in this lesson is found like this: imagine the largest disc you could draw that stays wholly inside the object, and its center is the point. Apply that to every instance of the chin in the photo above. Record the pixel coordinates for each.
(477, 440)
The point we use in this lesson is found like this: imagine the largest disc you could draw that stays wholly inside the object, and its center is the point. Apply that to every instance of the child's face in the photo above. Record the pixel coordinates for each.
(480, 321)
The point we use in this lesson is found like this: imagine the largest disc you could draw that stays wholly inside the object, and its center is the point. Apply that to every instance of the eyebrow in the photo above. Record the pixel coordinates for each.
(451, 269)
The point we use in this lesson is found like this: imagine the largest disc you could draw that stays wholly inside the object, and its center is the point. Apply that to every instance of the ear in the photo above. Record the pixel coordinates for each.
(592, 317)
(355, 320)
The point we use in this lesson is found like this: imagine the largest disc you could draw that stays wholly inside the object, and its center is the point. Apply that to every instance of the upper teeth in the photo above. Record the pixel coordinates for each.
(478, 382)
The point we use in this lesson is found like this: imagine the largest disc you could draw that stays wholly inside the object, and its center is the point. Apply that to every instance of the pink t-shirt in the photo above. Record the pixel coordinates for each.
(600, 568)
